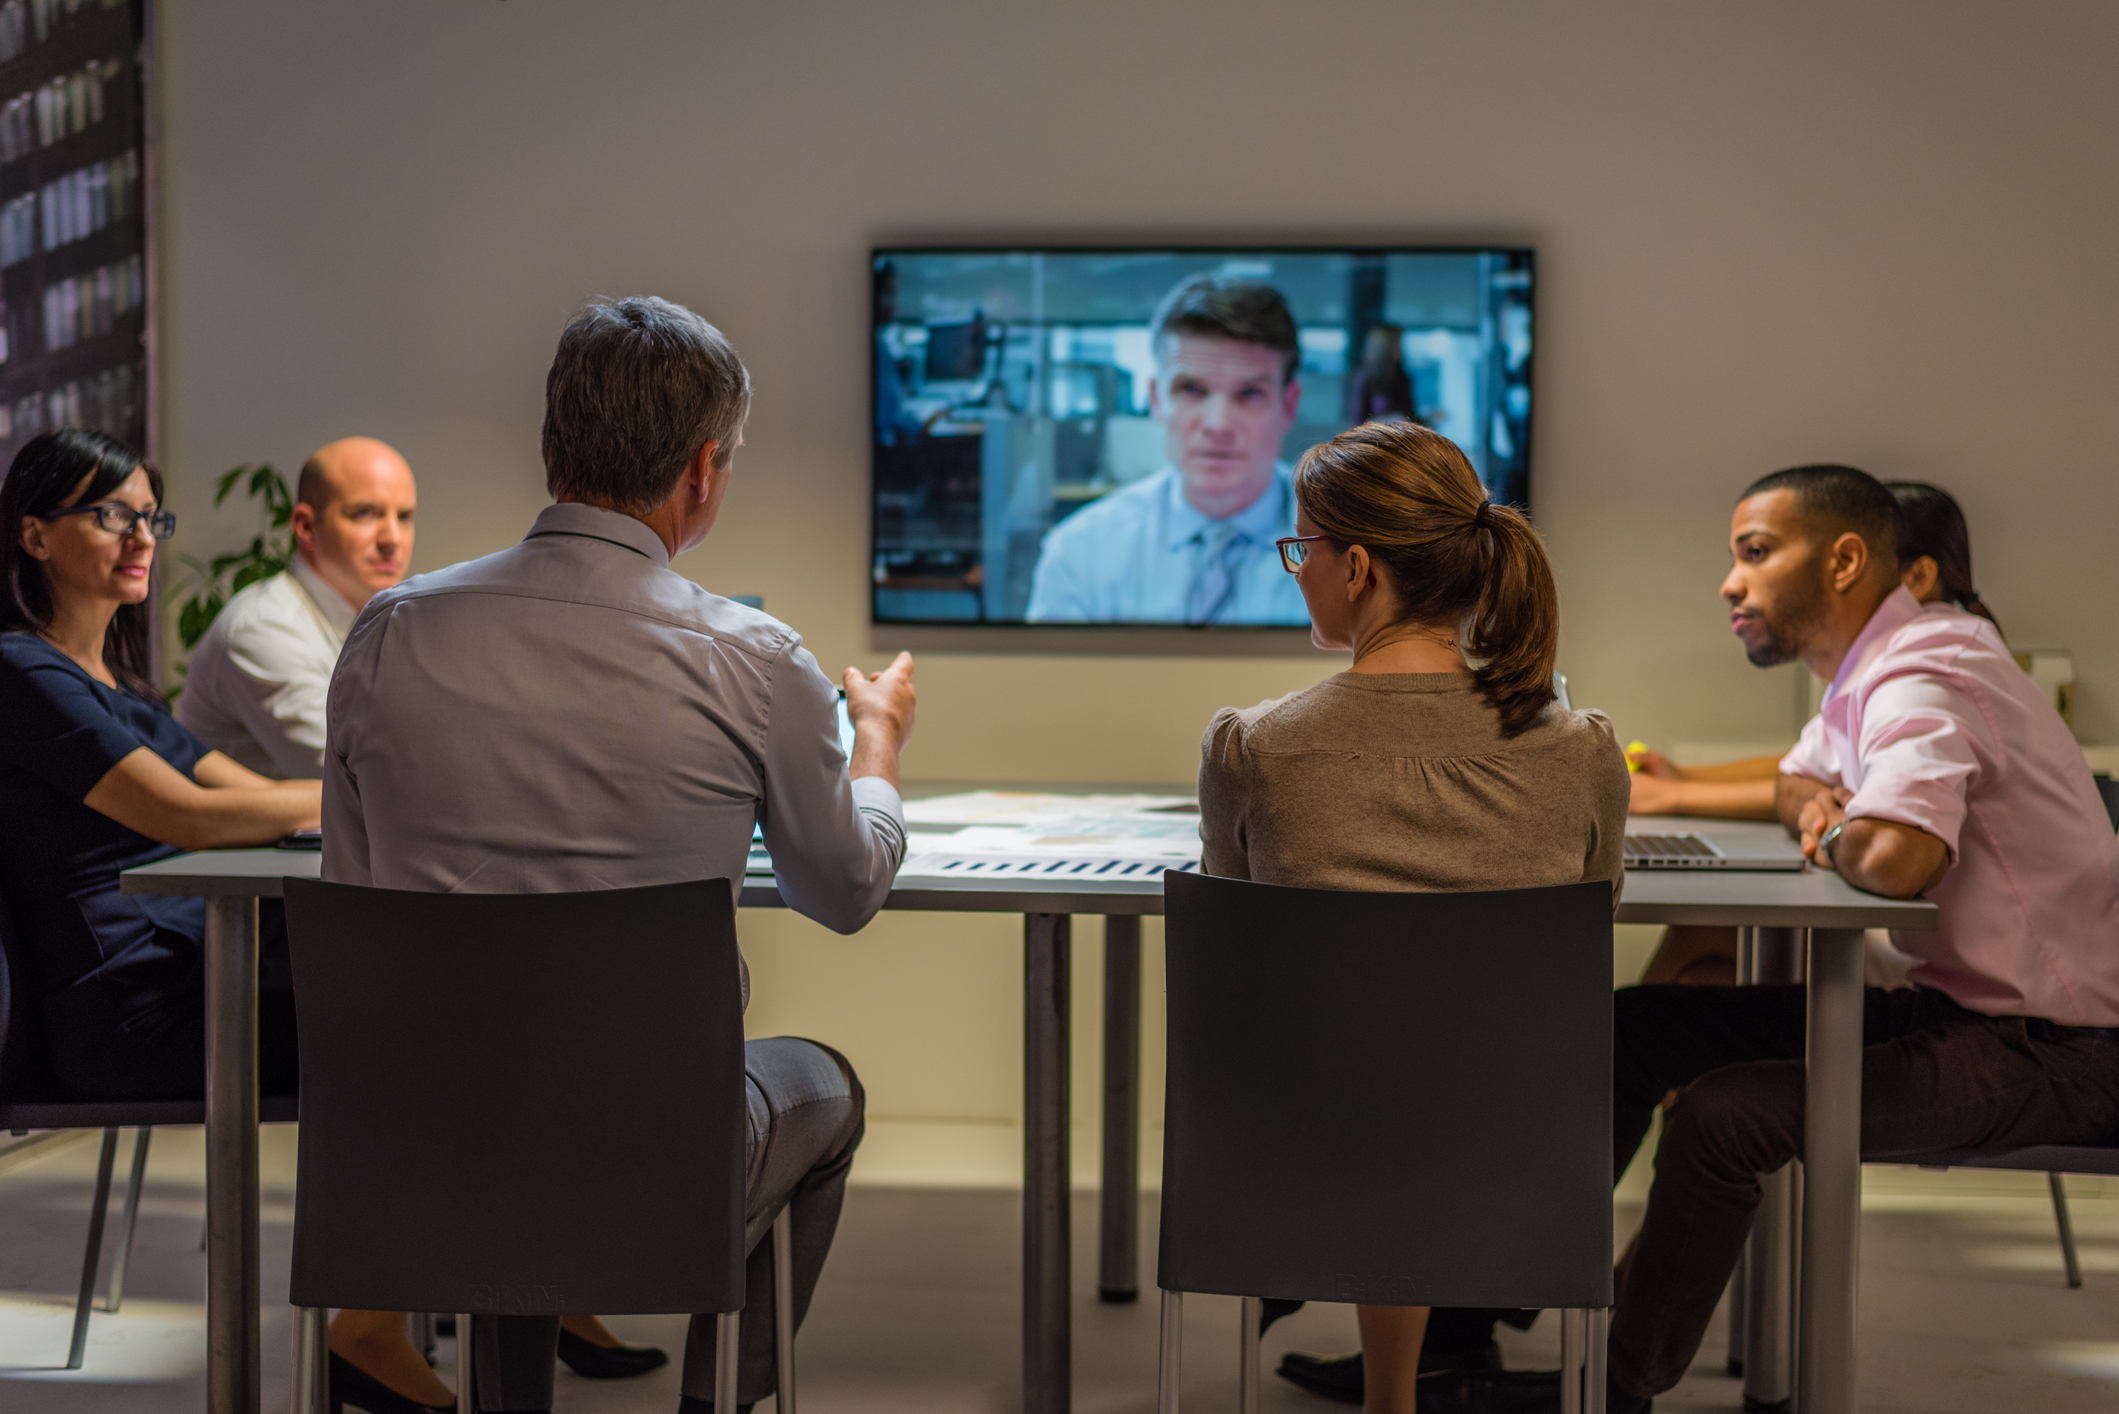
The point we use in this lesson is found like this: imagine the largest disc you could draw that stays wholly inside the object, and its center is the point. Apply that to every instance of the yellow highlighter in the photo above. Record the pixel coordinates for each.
(1634, 751)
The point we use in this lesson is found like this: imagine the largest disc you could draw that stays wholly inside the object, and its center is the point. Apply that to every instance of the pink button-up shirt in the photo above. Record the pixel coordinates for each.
(1931, 724)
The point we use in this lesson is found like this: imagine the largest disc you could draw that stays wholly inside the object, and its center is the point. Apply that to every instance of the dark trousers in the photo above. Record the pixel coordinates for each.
(1934, 1077)
(98, 1055)
(804, 1122)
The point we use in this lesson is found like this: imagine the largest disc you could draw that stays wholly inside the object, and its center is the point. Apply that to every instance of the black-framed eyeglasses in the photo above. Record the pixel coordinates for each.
(1294, 549)
(123, 520)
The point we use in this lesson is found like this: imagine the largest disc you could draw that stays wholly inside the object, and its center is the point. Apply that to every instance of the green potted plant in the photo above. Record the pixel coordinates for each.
(211, 584)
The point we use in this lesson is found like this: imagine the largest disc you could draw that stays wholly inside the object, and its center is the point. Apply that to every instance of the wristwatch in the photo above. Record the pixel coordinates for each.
(1828, 839)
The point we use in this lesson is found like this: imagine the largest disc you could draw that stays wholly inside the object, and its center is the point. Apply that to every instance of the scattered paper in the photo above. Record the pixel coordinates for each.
(1007, 807)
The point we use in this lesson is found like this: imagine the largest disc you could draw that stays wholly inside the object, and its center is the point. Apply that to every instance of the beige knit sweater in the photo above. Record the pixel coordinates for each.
(1404, 781)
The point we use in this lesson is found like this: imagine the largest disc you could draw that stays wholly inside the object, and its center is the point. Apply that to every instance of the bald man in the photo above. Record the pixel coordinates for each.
(256, 684)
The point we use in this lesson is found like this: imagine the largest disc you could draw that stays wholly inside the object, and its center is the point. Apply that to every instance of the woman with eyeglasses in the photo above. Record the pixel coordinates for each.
(1440, 760)
(96, 776)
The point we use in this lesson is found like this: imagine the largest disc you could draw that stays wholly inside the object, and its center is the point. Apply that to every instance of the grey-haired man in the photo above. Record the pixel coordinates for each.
(571, 714)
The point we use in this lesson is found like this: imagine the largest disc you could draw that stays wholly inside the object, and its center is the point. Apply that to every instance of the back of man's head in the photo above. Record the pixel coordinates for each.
(638, 386)
(1836, 500)
(1211, 307)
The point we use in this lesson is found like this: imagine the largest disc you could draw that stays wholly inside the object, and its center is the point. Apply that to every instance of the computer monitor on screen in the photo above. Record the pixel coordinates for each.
(1072, 437)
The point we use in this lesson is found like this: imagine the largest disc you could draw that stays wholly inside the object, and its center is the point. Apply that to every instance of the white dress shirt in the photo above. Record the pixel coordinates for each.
(570, 714)
(256, 683)
(1140, 555)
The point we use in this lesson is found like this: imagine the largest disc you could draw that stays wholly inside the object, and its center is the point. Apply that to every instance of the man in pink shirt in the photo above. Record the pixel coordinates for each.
(1936, 768)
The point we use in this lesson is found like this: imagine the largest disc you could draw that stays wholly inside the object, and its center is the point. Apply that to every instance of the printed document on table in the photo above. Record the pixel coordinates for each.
(1063, 846)
(1007, 807)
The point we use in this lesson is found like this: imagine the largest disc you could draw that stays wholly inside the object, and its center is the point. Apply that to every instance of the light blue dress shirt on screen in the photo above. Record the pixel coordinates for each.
(1138, 556)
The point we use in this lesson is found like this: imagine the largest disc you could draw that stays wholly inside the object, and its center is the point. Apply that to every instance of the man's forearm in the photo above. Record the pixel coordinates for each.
(875, 753)
(1883, 857)
(1790, 795)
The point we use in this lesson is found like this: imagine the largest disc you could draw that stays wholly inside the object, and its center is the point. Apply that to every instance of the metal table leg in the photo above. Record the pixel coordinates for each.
(1769, 1314)
(1740, 1279)
(1118, 1214)
(1048, 979)
(1771, 956)
(1825, 1355)
(232, 1381)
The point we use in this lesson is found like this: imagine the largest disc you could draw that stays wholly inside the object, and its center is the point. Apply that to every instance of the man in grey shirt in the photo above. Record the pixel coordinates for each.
(571, 714)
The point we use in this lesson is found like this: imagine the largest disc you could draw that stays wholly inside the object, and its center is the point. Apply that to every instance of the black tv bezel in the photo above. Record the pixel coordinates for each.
(1253, 632)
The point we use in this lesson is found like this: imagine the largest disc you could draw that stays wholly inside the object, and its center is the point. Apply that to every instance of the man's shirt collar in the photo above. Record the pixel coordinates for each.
(337, 610)
(1898, 609)
(596, 523)
(1260, 520)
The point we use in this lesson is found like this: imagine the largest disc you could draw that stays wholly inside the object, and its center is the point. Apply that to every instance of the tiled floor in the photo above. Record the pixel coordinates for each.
(1963, 1306)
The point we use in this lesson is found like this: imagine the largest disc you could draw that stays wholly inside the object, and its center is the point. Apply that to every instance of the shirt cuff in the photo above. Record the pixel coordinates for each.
(875, 793)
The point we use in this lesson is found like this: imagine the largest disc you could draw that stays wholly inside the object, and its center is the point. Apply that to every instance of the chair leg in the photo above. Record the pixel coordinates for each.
(728, 1351)
(123, 1257)
(312, 1370)
(1739, 1292)
(1170, 1358)
(1593, 1377)
(1254, 1312)
(2067, 1229)
(419, 1326)
(94, 1256)
(784, 1307)
(1574, 1340)
(466, 1396)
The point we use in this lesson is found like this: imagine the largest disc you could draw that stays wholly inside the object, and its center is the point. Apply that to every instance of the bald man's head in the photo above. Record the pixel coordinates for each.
(353, 516)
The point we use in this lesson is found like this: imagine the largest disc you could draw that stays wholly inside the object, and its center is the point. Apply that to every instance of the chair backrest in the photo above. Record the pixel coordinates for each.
(1391, 1098)
(519, 1104)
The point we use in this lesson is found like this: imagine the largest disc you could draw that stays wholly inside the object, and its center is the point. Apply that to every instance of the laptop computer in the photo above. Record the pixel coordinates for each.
(1706, 850)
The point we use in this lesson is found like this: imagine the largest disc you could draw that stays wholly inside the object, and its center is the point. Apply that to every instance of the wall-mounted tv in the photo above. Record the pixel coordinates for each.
(1073, 436)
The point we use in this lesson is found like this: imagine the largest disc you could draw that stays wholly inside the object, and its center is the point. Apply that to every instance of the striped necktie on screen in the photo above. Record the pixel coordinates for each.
(1222, 545)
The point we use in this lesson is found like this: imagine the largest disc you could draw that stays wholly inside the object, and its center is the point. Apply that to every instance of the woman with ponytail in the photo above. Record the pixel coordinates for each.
(1935, 548)
(1438, 761)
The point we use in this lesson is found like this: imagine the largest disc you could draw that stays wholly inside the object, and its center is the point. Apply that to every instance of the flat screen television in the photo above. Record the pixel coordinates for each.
(1074, 436)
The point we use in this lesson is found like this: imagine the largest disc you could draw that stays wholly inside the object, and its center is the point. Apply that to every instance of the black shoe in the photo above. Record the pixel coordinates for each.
(688, 1405)
(1340, 1376)
(607, 1362)
(1336, 1377)
(1512, 1392)
(1275, 1308)
(350, 1384)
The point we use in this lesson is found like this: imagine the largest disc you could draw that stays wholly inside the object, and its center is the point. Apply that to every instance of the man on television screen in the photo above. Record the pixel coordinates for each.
(1193, 543)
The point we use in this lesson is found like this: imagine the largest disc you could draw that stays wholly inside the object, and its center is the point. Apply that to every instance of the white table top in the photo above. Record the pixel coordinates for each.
(1730, 898)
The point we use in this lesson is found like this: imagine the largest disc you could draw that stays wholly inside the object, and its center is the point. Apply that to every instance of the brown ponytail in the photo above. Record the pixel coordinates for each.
(1409, 497)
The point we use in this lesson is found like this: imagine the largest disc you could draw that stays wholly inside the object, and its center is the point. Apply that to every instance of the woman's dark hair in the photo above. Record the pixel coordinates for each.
(42, 480)
(1931, 523)
(1409, 497)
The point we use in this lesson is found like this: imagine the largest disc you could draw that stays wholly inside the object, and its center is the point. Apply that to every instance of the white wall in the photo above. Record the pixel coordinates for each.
(1872, 232)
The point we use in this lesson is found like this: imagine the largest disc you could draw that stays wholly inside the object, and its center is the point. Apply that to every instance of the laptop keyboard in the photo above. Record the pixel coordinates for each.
(1641, 849)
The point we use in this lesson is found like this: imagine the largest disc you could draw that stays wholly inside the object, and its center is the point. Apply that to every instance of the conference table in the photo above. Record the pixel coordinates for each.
(1828, 917)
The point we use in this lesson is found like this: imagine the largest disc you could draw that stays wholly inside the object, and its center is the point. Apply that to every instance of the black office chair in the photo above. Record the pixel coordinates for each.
(574, 1054)
(1391, 1099)
(29, 1101)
